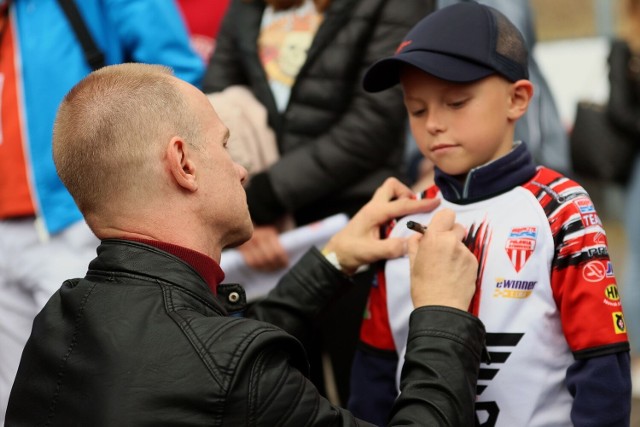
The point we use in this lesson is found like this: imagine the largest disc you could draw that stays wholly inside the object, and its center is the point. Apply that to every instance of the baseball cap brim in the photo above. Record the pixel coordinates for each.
(385, 73)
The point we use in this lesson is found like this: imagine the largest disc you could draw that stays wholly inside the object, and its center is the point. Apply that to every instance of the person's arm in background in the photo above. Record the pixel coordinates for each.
(359, 143)
(622, 109)
(154, 32)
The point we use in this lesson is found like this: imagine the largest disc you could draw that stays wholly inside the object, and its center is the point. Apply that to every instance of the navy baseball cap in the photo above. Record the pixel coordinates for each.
(461, 43)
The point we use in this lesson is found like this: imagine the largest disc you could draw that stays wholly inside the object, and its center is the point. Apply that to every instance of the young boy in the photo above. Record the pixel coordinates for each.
(556, 339)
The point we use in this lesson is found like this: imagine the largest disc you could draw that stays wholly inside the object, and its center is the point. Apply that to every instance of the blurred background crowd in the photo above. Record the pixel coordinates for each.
(323, 142)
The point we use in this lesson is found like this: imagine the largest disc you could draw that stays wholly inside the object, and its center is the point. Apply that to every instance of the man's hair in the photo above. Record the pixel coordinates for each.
(111, 126)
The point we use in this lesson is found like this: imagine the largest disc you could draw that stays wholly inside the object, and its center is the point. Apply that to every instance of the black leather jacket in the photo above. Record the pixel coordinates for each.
(142, 341)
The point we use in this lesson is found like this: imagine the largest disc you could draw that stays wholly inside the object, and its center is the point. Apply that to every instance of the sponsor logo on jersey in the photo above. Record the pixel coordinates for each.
(618, 322)
(507, 288)
(600, 251)
(585, 206)
(609, 269)
(520, 245)
(594, 271)
(611, 296)
(587, 212)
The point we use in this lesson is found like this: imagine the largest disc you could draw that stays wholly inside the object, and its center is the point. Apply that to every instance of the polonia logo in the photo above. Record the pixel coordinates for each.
(520, 245)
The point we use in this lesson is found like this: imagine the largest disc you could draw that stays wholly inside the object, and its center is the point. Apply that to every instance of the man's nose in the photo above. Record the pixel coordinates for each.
(242, 173)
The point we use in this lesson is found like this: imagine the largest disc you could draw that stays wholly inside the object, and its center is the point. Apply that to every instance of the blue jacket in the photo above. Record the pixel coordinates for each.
(50, 61)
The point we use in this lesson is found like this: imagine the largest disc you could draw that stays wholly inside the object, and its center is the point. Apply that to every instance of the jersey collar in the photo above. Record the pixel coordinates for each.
(489, 180)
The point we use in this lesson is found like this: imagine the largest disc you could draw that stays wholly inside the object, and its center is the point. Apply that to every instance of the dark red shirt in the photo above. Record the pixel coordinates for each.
(204, 265)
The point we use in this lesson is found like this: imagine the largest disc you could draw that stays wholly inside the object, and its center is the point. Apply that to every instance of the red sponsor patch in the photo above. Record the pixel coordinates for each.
(587, 212)
(594, 271)
(520, 245)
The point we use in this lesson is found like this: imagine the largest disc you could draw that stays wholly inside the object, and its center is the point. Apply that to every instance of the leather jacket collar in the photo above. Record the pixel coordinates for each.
(116, 256)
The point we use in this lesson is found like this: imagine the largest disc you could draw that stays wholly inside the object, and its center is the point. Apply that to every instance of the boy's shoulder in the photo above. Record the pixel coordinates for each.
(565, 202)
(554, 184)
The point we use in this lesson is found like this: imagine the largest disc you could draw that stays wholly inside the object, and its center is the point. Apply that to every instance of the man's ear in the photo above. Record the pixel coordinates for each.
(520, 96)
(180, 164)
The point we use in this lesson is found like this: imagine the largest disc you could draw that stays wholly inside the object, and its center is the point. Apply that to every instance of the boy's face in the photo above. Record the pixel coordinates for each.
(459, 126)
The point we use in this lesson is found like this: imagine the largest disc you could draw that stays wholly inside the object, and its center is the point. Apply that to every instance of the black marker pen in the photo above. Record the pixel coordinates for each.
(412, 225)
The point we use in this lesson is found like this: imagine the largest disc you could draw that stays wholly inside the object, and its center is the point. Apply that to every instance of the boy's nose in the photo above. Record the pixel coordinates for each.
(434, 122)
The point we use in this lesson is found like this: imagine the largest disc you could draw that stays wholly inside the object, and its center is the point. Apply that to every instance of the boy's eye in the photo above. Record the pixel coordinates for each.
(457, 103)
(417, 112)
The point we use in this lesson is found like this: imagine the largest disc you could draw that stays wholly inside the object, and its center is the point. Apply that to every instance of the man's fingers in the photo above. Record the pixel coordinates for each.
(404, 207)
(391, 189)
(390, 248)
(401, 207)
(443, 220)
(459, 231)
(412, 247)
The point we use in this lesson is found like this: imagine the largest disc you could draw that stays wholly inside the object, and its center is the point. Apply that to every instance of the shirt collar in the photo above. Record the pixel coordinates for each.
(207, 267)
(490, 179)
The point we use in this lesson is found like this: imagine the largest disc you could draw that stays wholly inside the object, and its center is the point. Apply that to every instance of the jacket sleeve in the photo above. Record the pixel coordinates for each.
(367, 133)
(622, 109)
(438, 378)
(301, 294)
(154, 32)
(440, 371)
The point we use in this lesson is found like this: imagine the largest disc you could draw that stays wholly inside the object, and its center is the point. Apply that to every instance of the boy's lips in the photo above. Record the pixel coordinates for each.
(441, 147)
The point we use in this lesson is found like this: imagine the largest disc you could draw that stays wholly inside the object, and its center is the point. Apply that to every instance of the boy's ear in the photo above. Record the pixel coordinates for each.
(521, 94)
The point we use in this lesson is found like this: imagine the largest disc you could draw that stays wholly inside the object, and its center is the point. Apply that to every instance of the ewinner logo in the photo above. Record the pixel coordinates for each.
(506, 288)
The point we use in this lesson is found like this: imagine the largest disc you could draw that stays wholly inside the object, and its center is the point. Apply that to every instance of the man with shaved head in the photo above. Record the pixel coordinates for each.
(150, 336)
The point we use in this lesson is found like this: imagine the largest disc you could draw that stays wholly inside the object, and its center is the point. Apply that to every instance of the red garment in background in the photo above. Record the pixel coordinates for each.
(15, 193)
(203, 18)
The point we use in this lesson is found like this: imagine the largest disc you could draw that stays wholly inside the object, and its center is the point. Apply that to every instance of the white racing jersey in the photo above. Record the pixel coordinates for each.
(546, 293)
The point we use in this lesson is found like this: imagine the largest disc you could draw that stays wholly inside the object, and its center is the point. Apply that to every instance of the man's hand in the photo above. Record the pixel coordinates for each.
(263, 251)
(359, 242)
(443, 269)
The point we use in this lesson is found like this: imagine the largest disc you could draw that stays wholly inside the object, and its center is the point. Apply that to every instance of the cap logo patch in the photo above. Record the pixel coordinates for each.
(402, 45)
